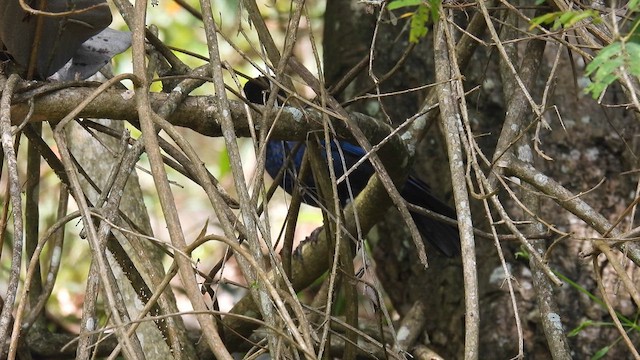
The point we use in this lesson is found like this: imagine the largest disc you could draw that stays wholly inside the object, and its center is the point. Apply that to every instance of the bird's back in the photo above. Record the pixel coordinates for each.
(345, 155)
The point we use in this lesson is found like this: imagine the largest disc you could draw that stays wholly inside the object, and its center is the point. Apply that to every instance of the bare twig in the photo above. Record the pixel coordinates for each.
(16, 204)
(451, 120)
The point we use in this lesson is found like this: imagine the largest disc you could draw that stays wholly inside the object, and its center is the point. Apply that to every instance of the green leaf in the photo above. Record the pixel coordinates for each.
(608, 68)
(397, 4)
(601, 353)
(595, 89)
(564, 19)
(420, 17)
(435, 9)
(608, 79)
(583, 325)
(543, 19)
(522, 254)
(582, 16)
(419, 24)
(603, 56)
(626, 322)
(633, 49)
(224, 164)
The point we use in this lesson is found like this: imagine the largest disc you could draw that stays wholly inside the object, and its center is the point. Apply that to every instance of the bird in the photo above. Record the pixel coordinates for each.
(56, 39)
(289, 155)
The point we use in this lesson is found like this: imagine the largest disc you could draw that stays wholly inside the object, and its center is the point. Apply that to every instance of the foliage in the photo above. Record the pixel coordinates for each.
(491, 121)
(564, 19)
(420, 17)
(622, 54)
(605, 66)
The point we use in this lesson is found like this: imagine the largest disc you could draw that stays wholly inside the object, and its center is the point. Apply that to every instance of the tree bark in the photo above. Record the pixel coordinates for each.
(579, 153)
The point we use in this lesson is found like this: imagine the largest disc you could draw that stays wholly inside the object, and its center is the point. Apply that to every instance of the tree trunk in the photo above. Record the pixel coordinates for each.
(585, 144)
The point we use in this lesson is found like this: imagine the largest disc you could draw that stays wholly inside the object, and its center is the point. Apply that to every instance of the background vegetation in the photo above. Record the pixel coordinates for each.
(524, 117)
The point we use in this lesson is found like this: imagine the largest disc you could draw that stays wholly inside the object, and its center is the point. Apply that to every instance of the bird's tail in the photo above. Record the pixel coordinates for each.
(441, 235)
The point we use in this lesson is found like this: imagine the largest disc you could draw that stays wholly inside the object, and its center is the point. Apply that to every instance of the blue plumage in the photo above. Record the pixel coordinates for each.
(345, 155)
(444, 237)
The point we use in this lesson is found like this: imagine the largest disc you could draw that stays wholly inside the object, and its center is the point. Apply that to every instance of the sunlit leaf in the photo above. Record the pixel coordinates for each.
(419, 24)
(564, 19)
(582, 16)
(543, 19)
(397, 4)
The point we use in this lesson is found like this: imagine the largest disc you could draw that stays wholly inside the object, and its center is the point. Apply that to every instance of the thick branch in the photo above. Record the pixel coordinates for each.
(198, 113)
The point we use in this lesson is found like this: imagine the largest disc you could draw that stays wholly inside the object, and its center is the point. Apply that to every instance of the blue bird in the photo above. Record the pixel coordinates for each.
(345, 155)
